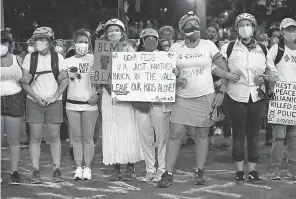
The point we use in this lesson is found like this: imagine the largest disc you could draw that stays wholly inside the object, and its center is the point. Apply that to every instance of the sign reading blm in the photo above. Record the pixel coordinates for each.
(144, 77)
(103, 60)
(282, 110)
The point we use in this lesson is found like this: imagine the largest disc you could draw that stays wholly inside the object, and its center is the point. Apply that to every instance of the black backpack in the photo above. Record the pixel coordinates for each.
(281, 50)
(54, 66)
(231, 45)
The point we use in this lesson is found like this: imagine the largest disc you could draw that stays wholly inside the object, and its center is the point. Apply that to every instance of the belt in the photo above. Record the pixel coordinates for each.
(76, 102)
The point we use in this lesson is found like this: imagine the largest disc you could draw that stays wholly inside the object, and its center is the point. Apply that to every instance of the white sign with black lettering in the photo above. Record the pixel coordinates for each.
(282, 110)
(143, 76)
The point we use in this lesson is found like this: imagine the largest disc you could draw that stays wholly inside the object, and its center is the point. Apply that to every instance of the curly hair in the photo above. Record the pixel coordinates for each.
(166, 28)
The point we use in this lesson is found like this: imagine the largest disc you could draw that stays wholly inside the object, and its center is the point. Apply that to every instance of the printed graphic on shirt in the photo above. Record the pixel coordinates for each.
(287, 58)
(75, 73)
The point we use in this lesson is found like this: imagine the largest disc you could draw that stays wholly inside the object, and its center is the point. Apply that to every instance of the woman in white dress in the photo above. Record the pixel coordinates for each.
(121, 142)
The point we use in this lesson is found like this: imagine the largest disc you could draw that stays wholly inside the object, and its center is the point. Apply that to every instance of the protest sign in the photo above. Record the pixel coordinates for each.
(282, 110)
(103, 60)
(144, 77)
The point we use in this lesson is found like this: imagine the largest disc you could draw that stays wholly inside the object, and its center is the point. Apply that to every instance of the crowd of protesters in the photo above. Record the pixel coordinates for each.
(50, 87)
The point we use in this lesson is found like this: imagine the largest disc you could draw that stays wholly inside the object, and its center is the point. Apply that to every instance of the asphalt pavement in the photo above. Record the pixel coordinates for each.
(220, 173)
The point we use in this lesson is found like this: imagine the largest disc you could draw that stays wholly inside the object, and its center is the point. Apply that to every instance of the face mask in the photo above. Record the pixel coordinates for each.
(3, 50)
(30, 49)
(114, 36)
(81, 48)
(41, 45)
(246, 32)
(150, 44)
(210, 36)
(192, 33)
(265, 43)
(59, 49)
(290, 37)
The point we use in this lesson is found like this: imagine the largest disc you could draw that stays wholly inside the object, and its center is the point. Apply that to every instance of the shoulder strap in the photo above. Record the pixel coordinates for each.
(55, 64)
(230, 48)
(281, 51)
(33, 65)
(263, 49)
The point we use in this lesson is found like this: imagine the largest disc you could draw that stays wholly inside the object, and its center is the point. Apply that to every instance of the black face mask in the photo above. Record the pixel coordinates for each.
(191, 29)
(195, 33)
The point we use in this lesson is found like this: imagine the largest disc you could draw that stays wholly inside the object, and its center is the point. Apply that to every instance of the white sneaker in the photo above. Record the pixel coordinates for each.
(86, 173)
(218, 131)
(149, 177)
(157, 176)
(78, 173)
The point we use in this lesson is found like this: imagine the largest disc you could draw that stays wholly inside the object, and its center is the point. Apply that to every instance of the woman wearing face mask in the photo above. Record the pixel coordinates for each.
(121, 142)
(195, 95)
(152, 117)
(12, 101)
(81, 106)
(244, 104)
(44, 103)
(60, 46)
(287, 73)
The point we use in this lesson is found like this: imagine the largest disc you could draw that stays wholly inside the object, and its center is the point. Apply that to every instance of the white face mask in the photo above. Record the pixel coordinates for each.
(30, 49)
(290, 37)
(3, 50)
(81, 48)
(59, 49)
(41, 45)
(246, 31)
(114, 36)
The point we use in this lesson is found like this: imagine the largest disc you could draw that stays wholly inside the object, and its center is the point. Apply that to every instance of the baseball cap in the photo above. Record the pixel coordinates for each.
(287, 22)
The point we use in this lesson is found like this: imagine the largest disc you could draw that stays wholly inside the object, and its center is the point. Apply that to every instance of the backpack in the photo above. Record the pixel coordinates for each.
(231, 45)
(281, 51)
(54, 66)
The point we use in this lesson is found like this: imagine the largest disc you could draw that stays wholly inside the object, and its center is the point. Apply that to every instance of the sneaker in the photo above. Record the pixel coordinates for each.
(276, 174)
(71, 153)
(86, 173)
(129, 175)
(149, 177)
(166, 180)
(239, 177)
(78, 173)
(157, 176)
(116, 175)
(15, 178)
(254, 178)
(57, 176)
(199, 177)
(36, 178)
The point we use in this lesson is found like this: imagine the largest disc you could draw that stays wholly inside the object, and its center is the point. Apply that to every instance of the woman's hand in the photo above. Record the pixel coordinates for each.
(93, 100)
(259, 80)
(218, 101)
(182, 82)
(41, 102)
(233, 77)
(49, 100)
(176, 71)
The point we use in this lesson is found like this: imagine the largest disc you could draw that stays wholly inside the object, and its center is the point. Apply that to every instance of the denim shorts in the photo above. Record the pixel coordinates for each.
(13, 105)
(52, 114)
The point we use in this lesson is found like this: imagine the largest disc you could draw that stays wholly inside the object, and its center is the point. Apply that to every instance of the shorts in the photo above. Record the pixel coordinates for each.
(13, 105)
(52, 114)
(194, 112)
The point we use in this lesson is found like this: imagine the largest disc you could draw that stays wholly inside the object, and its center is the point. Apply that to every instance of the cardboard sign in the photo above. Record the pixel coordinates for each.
(144, 77)
(103, 60)
(282, 110)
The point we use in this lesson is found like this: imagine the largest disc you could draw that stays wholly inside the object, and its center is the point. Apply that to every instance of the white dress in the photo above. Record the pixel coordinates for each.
(121, 141)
